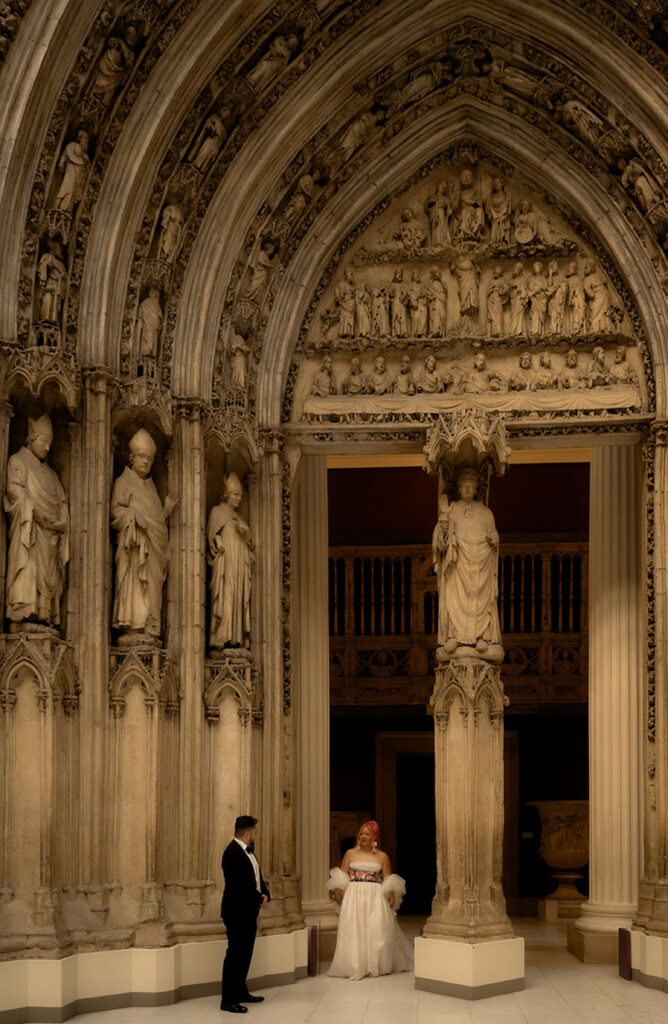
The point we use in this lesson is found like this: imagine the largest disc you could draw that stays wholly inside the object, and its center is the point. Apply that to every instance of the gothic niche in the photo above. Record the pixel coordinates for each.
(141, 506)
(469, 292)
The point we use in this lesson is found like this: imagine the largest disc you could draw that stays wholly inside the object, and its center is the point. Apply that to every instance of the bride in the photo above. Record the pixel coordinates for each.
(369, 939)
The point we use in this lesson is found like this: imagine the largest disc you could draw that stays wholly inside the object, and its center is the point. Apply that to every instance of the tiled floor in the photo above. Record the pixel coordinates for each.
(559, 990)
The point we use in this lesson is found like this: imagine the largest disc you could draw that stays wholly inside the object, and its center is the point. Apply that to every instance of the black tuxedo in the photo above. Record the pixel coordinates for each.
(239, 909)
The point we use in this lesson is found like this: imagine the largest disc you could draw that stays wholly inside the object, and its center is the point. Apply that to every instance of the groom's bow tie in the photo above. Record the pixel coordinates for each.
(250, 848)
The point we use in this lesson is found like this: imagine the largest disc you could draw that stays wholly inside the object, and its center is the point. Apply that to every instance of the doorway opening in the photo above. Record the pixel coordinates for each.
(383, 606)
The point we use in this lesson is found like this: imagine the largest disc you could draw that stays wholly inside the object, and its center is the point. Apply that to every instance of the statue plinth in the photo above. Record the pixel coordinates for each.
(469, 909)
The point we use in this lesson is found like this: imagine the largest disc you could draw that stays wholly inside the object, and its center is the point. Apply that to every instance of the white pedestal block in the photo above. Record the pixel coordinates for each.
(55, 990)
(469, 970)
(649, 960)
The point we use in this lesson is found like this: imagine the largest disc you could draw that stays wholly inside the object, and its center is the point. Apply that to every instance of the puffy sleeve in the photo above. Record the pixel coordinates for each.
(338, 879)
(395, 884)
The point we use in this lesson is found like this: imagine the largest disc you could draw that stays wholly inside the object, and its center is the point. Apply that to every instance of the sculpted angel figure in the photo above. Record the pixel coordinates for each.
(231, 557)
(465, 546)
(142, 545)
(73, 163)
(38, 552)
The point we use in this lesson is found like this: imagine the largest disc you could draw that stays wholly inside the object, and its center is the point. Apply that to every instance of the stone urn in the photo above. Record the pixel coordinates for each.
(564, 848)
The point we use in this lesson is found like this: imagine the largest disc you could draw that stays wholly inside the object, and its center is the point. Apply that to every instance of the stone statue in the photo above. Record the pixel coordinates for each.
(644, 187)
(149, 324)
(142, 546)
(584, 123)
(231, 557)
(468, 203)
(362, 300)
(438, 210)
(380, 380)
(303, 194)
(431, 382)
(406, 381)
(380, 313)
(466, 274)
(523, 379)
(537, 289)
(398, 299)
(517, 292)
(171, 226)
(52, 277)
(324, 382)
(356, 134)
(479, 379)
(38, 531)
(570, 377)
(499, 211)
(437, 302)
(575, 298)
(497, 296)
(260, 270)
(556, 304)
(596, 294)
(419, 307)
(115, 64)
(209, 143)
(345, 300)
(73, 163)
(239, 349)
(411, 233)
(545, 378)
(465, 548)
(280, 51)
(597, 373)
(355, 382)
(621, 371)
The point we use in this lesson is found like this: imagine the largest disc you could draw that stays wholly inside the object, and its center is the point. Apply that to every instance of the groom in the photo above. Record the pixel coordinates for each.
(244, 894)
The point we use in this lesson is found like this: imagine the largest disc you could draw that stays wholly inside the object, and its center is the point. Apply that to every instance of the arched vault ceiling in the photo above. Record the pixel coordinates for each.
(599, 103)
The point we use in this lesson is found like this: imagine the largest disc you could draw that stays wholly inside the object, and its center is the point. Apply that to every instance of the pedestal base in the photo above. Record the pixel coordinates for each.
(594, 937)
(649, 960)
(554, 911)
(469, 970)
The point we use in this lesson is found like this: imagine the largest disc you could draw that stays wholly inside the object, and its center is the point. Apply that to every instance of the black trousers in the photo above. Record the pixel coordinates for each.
(240, 942)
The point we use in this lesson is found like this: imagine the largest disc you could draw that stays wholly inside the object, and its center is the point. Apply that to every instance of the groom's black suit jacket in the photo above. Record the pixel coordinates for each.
(241, 899)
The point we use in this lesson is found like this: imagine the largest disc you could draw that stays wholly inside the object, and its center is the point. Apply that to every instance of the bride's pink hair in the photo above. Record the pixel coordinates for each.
(372, 827)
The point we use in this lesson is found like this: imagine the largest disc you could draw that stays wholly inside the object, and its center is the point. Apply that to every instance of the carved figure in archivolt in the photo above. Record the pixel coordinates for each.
(231, 557)
(239, 350)
(278, 56)
(38, 531)
(149, 324)
(171, 227)
(260, 270)
(465, 547)
(208, 143)
(73, 164)
(142, 545)
(115, 64)
(52, 277)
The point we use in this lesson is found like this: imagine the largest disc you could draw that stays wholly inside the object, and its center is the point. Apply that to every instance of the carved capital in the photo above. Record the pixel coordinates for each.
(98, 380)
(472, 685)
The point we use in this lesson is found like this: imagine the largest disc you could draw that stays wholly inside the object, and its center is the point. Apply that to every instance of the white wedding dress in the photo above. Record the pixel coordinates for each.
(369, 939)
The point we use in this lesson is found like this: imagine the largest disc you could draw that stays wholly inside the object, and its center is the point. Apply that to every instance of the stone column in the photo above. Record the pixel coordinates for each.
(186, 643)
(6, 413)
(615, 693)
(94, 582)
(311, 657)
(273, 537)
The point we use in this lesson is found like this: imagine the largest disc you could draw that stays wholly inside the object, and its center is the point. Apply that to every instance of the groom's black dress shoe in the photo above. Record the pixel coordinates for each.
(252, 999)
(234, 1007)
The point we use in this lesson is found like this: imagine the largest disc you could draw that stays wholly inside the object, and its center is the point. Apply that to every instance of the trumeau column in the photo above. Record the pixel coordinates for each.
(616, 609)
(276, 835)
(186, 643)
(311, 657)
(467, 948)
(94, 582)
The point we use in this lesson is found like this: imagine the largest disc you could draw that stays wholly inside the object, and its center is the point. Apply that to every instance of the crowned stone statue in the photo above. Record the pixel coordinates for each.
(142, 546)
(38, 532)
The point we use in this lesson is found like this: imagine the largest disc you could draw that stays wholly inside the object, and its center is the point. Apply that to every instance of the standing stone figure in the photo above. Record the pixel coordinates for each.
(73, 163)
(149, 324)
(52, 277)
(231, 557)
(142, 547)
(465, 548)
(38, 532)
(171, 226)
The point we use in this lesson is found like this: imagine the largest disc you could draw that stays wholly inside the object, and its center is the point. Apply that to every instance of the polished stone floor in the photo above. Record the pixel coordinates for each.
(559, 990)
